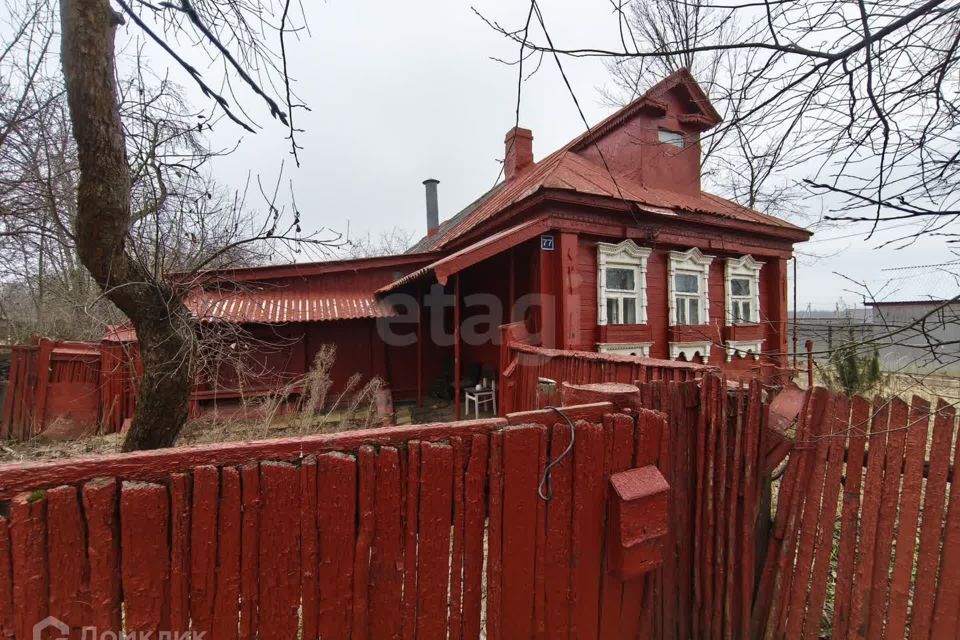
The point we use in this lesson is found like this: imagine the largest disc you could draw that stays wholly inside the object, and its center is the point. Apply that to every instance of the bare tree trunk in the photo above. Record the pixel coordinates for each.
(162, 322)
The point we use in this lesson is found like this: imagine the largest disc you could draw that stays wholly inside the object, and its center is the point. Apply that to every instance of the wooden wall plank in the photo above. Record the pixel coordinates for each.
(870, 515)
(474, 521)
(836, 437)
(410, 534)
(495, 540)
(279, 551)
(587, 534)
(366, 495)
(755, 423)
(250, 551)
(889, 499)
(931, 532)
(731, 610)
(336, 513)
(559, 535)
(100, 508)
(7, 628)
(203, 547)
(226, 608)
(145, 558)
(858, 429)
(179, 553)
(618, 430)
(436, 502)
(910, 500)
(521, 446)
(540, 555)
(456, 552)
(719, 489)
(28, 540)
(67, 561)
(309, 550)
(386, 557)
(946, 611)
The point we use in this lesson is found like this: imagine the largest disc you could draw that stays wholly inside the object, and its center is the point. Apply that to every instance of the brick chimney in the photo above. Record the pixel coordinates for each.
(519, 152)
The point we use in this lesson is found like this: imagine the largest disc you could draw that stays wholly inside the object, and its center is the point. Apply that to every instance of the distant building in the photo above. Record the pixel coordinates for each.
(830, 329)
(925, 336)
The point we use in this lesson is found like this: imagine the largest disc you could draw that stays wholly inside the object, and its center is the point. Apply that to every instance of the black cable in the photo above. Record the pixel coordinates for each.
(547, 495)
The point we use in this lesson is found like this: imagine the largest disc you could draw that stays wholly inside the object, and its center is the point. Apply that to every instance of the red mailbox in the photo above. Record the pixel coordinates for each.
(638, 522)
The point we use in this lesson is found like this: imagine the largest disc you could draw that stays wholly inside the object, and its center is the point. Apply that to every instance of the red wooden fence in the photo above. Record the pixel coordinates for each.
(524, 365)
(420, 532)
(710, 455)
(88, 385)
(865, 515)
(412, 532)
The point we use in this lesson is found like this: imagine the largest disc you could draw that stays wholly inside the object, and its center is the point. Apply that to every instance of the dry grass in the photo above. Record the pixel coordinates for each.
(271, 416)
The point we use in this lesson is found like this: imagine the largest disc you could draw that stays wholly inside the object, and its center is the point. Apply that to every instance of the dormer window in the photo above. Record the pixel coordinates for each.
(689, 276)
(622, 283)
(674, 138)
(743, 290)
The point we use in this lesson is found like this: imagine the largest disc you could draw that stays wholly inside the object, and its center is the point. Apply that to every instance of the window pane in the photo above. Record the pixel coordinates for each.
(613, 311)
(745, 312)
(671, 137)
(629, 311)
(735, 312)
(620, 279)
(681, 306)
(694, 311)
(739, 287)
(686, 283)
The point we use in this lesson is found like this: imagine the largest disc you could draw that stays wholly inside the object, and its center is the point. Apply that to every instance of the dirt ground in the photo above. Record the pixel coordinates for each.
(210, 429)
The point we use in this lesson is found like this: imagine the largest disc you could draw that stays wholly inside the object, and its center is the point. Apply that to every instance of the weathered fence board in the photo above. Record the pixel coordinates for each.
(886, 539)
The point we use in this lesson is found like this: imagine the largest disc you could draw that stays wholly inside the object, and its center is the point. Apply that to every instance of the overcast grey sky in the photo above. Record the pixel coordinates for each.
(400, 92)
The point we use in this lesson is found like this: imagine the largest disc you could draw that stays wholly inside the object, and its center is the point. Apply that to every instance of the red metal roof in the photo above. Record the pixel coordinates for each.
(476, 252)
(567, 170)
(278, 304)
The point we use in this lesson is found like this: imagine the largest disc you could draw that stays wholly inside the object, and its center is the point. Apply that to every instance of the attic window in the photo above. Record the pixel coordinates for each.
(674, 138)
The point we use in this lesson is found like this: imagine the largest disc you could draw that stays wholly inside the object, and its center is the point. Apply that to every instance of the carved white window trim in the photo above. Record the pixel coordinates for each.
(624, 255)
(641, 349)
(690, 349)
(748, 268)
(743, 348)
(694, 262)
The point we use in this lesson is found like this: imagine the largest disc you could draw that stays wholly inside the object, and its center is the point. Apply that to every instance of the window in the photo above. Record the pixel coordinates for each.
(686, 287)
(743, 290)
(689, 302)
(621, 283)
(674, 138)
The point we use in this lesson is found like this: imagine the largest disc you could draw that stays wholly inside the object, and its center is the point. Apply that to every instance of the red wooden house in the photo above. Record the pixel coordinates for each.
(608, 244)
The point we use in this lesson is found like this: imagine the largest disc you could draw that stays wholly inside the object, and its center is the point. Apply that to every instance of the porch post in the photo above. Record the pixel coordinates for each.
(420, 345)
(456, 345)
(512, 286)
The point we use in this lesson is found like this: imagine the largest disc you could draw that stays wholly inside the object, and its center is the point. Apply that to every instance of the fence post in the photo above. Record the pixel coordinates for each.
(44, 353)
